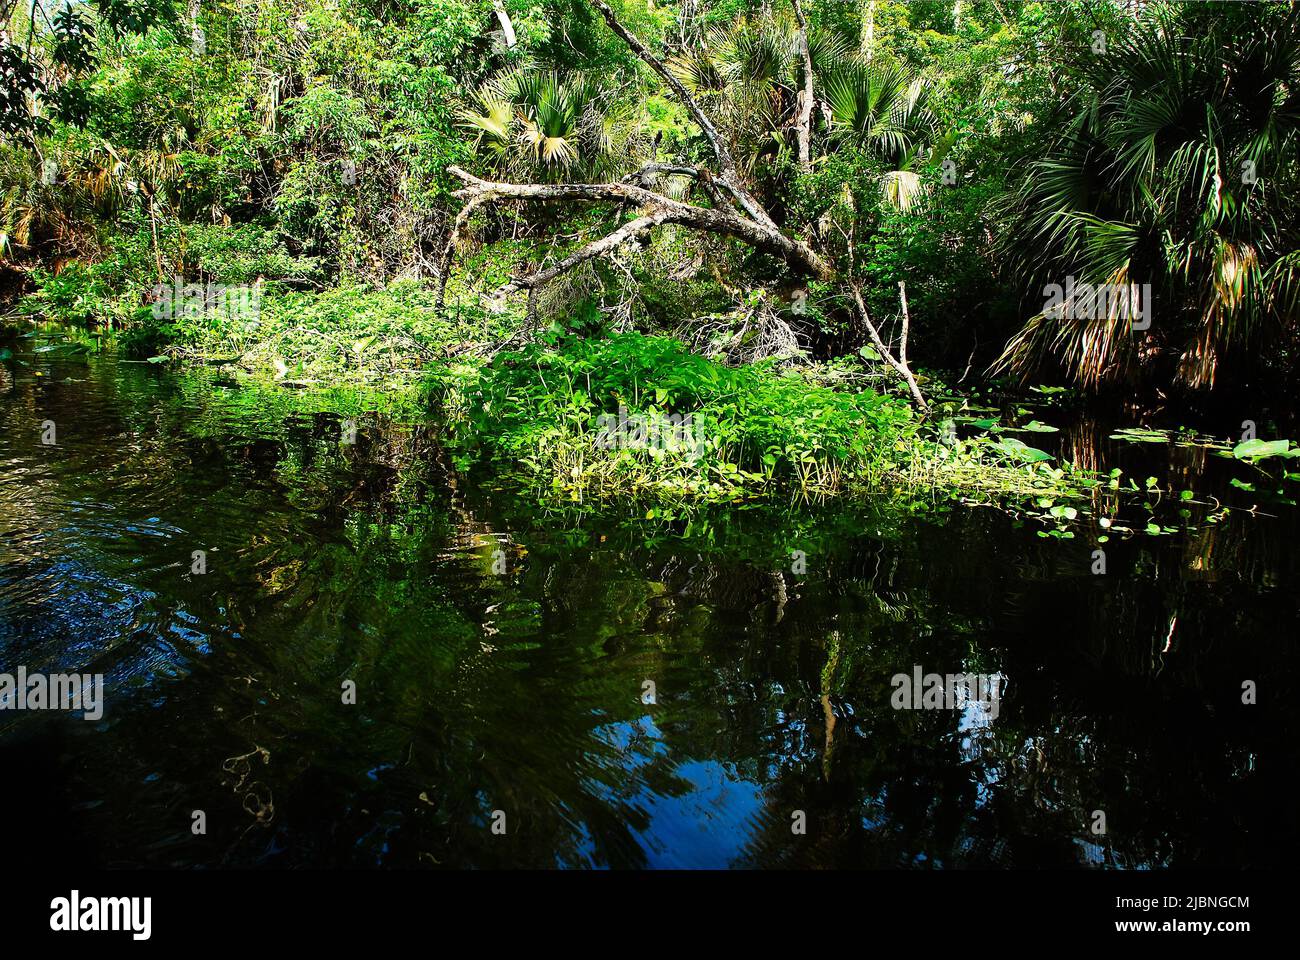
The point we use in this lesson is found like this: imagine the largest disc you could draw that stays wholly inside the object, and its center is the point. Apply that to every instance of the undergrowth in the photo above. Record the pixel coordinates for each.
(577, 418)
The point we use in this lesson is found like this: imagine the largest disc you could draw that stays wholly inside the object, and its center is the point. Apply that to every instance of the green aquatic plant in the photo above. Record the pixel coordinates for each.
(581, 420)
(1255, 450)
(351, 334)
(749, 428)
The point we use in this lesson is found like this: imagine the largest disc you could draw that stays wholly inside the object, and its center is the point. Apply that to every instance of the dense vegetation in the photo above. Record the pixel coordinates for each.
(808, 230)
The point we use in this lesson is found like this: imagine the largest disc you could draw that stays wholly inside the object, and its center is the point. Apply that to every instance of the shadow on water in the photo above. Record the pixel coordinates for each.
(500, 658)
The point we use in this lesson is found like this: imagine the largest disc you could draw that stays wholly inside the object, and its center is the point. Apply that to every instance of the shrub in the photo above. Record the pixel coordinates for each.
(753, 428)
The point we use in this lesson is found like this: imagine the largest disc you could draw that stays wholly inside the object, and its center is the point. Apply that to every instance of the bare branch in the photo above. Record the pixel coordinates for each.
(453, 239)
(591, 251)
(739, 216)
(902, 342)
(900, 365)
(760, 236)
(651, 171)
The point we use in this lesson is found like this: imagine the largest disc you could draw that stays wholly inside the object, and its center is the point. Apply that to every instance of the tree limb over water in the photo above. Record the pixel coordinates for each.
(746, 220)
(735, 212)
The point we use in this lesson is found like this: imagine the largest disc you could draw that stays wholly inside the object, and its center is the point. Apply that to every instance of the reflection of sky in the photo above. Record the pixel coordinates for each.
(70, 616)
(708, 826)
(975, 719)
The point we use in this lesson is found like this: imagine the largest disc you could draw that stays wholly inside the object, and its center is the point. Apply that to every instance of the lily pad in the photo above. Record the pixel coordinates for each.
(1033, 426)
(1014, 449)
(1253, 450)
(1141, 435)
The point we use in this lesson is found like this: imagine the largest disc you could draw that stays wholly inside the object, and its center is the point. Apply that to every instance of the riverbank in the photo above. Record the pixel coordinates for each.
(634, 421)
(533, 402)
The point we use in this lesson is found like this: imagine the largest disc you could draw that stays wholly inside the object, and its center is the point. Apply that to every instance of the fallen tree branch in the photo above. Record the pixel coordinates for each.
(734, 212)
(650, 171)
(596, 248)
(900, 364)
(796, 253)
(453, 239)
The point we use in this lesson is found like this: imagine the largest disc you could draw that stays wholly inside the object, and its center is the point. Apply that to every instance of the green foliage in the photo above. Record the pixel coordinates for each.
(752, 429)
(948, 266)
(640, 418)
(48, 73)
(310, 117)
(306, 145)
(543, 126)
(1255, 450)
(352, 335)
(114, 291)
(1173, 163)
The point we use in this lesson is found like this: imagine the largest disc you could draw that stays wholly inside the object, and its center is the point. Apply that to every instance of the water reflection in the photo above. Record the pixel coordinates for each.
(499, 660)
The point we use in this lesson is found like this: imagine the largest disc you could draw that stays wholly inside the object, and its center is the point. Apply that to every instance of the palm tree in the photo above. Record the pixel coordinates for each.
(743, 75)
(54, 194)
(881, 108)
(748, 76)
(1174, 164)
(542, 125)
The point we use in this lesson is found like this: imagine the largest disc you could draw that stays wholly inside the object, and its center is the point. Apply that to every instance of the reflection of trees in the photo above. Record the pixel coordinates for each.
(521, 691)
(1097, 717)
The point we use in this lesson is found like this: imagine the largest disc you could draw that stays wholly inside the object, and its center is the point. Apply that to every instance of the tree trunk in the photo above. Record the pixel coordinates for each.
(507, 28)
(868, 29)
(803, 127)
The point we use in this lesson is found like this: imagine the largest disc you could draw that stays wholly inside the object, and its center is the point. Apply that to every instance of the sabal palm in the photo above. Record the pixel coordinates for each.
(539, 124)
(748, 76)
(883, 109)
(1175, 164)
(743, 76)
(91, 179)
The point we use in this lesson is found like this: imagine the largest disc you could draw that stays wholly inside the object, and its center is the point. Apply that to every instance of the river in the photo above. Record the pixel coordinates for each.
(328, 653)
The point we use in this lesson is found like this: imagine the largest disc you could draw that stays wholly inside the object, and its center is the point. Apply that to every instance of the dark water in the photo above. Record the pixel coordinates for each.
(522, 692)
